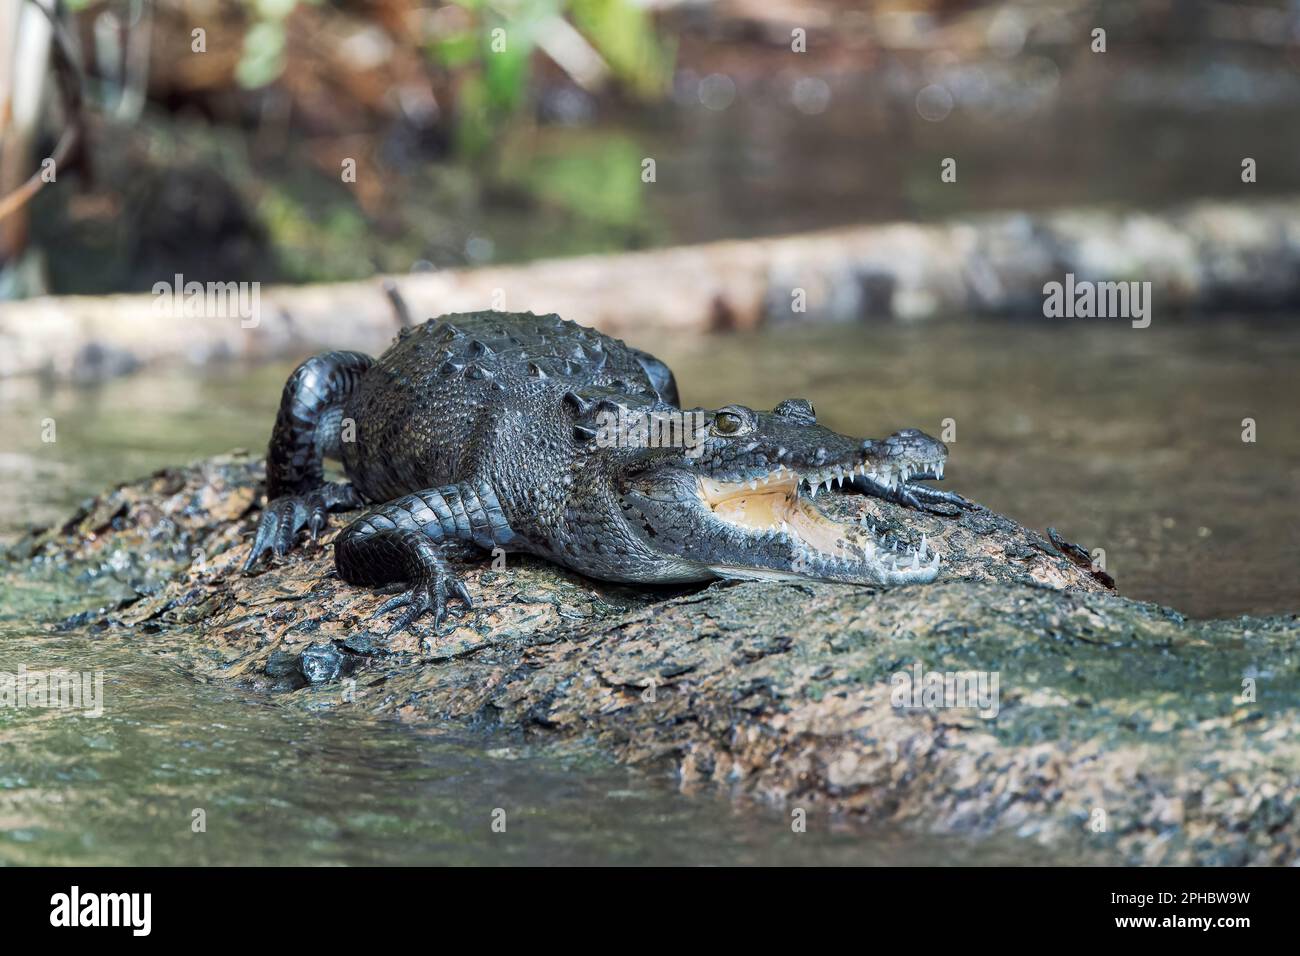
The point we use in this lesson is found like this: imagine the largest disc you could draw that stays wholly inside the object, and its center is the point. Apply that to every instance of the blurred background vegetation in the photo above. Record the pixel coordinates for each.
(311, 140)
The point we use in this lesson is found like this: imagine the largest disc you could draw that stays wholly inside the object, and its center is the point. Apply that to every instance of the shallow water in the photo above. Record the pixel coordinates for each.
(278, 784)
(1124, 439)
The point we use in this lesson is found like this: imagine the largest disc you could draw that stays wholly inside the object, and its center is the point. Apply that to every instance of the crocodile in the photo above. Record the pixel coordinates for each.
(531, 433)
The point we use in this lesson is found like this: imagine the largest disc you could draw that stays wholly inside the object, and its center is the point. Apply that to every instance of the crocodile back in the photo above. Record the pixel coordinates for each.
(480, 395)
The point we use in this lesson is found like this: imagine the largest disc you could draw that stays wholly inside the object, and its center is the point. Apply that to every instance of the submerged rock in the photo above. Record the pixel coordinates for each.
(1016, 695)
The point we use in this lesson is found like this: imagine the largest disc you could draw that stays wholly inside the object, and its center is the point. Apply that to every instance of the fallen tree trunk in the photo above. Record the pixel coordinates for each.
(1119, 730)
(1206, 256)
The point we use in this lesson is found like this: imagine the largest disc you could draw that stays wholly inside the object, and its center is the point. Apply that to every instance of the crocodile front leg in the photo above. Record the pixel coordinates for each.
(307, 430)
(399, 541)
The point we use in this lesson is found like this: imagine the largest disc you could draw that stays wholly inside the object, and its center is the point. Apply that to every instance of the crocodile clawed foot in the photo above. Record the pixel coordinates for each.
(947, 504)
(912, 494)
(281, 521)
(425, 597)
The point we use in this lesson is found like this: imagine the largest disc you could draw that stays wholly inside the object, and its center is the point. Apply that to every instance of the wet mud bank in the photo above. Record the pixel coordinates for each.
(1019, 694)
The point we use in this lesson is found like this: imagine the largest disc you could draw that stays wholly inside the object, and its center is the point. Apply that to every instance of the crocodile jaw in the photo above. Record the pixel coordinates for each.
(777, 510)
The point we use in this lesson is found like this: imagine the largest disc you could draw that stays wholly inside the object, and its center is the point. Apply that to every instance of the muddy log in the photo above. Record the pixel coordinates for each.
(1202, 256)
(1119, 731)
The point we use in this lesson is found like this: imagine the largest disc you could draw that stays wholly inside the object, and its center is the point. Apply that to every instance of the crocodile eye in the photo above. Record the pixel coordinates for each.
(728, 424)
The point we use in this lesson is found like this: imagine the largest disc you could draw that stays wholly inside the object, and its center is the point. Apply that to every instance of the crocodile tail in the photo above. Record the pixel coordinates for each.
(661, 377)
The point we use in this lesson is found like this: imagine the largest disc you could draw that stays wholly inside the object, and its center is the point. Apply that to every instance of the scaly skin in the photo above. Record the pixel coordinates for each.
(518, 432)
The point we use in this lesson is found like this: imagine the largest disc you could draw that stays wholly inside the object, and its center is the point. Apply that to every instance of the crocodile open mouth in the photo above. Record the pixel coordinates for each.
(887, 475)
(780, 505)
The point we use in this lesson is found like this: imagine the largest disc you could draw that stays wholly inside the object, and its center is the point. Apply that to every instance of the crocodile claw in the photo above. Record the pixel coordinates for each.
(425, 597)
(936, 501)
(281, 521)
(913, 494)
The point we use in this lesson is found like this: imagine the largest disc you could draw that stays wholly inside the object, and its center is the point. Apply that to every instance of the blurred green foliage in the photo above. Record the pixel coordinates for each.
(593, 176)
(547, 189)
(493, 58)
(262, 59)
(315, 242)
(623, 34)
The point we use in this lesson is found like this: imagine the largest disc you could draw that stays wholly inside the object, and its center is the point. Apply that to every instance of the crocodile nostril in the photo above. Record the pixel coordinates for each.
(798, 410)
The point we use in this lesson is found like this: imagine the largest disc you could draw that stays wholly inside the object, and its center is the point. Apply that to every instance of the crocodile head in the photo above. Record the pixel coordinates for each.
(736, 497)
